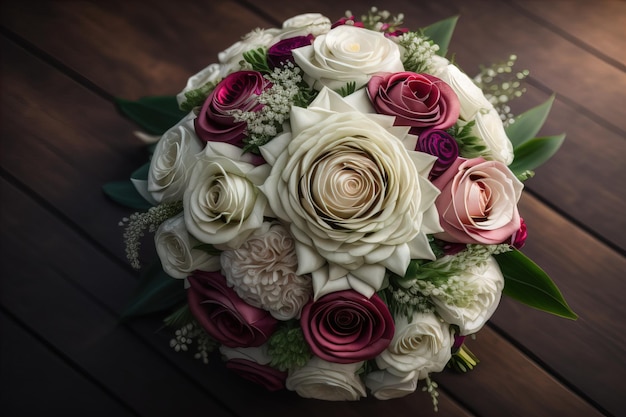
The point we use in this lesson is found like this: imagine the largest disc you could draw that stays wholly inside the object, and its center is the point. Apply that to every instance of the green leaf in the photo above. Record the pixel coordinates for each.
(528, 124)
(441, 33)
(535, 152)
(525, 282)
(156, 292)
(154, 114)
(125, 193)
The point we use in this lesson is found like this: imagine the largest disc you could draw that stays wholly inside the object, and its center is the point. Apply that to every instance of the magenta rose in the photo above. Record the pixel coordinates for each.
(438, 143)
(478, 202)
(225, 316)
(280, 53)
(270, 378)
(420, 101)
(347, 327)
(238, 91)
(518, 240)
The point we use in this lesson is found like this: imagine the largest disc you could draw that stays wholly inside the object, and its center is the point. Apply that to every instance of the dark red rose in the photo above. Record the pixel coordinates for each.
(280, 53)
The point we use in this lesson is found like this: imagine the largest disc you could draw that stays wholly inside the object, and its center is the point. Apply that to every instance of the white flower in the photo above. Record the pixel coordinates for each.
(206, 75)
(471, 97)
(420, 345)
(304, 24)
(479, 289)
(175, 247)
(258, 354)
(231, 57)
(263, 272)
(171, 163)
(490, 129)
(327, 381)
(385, 386)
(223, 205)
(348, 54)
(357, 200)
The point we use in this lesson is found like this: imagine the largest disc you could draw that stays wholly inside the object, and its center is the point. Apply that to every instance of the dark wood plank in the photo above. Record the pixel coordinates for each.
(27, 367)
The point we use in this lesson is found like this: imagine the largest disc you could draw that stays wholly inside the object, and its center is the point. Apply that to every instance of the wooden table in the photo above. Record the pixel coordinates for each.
(65, 280)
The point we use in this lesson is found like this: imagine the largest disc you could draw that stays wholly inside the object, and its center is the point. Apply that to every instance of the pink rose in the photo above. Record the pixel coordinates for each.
(420, 101)
(478, 202)
(347, 327)
(270, 378)
(225, 316)
(238, 91)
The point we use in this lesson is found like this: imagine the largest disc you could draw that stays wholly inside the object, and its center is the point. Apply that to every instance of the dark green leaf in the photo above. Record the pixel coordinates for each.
(141, 173)
(125, 193)
(156, 292)
(535, 152)
(525, 282)
(441, 33)
(528, 124)
(154, 114)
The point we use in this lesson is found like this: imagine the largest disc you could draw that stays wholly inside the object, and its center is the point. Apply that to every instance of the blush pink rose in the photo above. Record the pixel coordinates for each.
(420, 101)
(347, 327)
(478, 202)
(270, 378)
(225, 316)
(237, 91)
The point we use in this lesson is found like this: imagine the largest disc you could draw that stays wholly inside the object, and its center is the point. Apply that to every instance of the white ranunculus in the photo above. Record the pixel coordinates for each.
(223, 204)
(304, 24)
(478, 295)
(348, 54)
(175, 247)
(327, 381)
(357, 200)
(231, 57)
(420, 346)
(206, 75)
(385, 386)
(171, 163)
(262, 272)
(490, 129)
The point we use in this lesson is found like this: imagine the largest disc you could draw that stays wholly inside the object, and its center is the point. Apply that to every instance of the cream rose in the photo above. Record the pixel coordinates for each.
(262, 272)
(171, 163)
(304, 24)
(420, 346)
(357, 200)
(177, 250)
(231, 57)
(490, 129)
(223, 205)
(477, 295)
(205, 76)
(348, 54)
(327, 381)
(385, 386)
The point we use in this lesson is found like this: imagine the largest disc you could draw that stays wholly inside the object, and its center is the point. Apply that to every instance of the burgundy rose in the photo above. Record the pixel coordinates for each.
(519, 238)
(438, 143)
(238, 91)
(280, 53)
(270, 378)
(478, 202)
(420, 101)
(225, 316)
(347, 327)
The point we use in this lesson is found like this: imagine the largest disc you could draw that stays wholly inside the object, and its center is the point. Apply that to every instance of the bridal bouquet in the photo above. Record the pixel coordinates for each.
(335, 206)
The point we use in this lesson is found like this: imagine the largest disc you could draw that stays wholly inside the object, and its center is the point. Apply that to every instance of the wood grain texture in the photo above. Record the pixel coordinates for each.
(61, 139)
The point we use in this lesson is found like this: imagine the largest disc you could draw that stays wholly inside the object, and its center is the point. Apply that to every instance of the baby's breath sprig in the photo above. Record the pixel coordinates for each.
(137, 224)
(381, 20)
(431, 388)
(187, 331)
(501, 85)
(288, 348)
(417, 50)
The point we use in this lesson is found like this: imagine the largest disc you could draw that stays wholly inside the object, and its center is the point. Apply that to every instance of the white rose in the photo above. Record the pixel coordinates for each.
(348, 54)
(223, 205)
(258, 354)
(490, 129)
(231, 57)
(385, 386)
(357, 200)
(327, 381)
(175, 247)
(206, 75)
(477, 295)
(262, 272)
(419, 346)
(305, 24)
(171, 163)
(471, 97)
